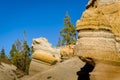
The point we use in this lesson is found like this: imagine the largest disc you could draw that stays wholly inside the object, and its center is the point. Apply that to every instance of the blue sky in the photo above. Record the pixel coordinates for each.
(39, 18)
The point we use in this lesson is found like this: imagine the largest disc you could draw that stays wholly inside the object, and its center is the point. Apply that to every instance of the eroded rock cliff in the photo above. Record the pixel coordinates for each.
(99, 38)
(44, 56)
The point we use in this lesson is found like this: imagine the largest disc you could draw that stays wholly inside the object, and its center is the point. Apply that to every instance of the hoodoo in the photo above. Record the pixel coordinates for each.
(99, 38)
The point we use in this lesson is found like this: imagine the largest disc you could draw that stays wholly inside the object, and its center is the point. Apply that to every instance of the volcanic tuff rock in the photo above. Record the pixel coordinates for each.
(37, 66)
(66, 70)
(44, 56)
(99, 38)
(105, 16)
(44, 51)
(67, 51)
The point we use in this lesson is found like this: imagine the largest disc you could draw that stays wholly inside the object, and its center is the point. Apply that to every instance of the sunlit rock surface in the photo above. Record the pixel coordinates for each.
(67, 51)
(99, 38)
(44, 51)
(44, 56)
(66, 70)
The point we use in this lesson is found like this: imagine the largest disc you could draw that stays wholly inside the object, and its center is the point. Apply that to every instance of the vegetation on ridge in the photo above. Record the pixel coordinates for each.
(20, 55)
(67, 33)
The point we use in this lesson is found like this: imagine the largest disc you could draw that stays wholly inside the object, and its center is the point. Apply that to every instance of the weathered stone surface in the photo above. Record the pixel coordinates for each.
(102, 17)
(106, 2)
(44, 51)
(99, 28)
(98, 3)
(96, 42)
(37, 66)
(67, 51)
(44, 56)
(106, 70)
(66, 70)
(7, 72)
(41, 43)
(99, 38)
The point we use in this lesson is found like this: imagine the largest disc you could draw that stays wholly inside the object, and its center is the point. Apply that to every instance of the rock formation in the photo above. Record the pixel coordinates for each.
(67, 51)
(44, 55)
(66, 70)
(43, 51)
(99, 38)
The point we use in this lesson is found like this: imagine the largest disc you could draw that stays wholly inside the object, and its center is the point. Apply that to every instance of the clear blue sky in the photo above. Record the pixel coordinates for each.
(39, 18)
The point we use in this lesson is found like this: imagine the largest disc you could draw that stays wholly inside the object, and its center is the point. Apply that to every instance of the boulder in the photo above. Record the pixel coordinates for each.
(44, 51)
(67, 51)
(44, 56)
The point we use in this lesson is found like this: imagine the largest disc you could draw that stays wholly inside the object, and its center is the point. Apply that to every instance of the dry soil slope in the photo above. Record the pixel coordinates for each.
(7, 71)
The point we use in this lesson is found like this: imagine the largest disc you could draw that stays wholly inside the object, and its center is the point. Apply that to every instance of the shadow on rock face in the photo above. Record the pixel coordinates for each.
(83, 74)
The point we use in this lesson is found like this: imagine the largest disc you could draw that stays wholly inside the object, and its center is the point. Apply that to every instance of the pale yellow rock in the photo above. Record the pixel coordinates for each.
(45, 57)
(67, 51)
(44, 51)
(103, 17)
(96, 43)
(99, 38)
(106, 70)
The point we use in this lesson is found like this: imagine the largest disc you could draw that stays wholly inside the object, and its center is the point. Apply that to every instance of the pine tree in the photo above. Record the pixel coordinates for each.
(59, 42)
(2, 54)
(13, 51)
(68, 33)
(18, 45)
(15, 57)
(26, 53)
(3, 57)
(16, 60)
(20, 54)
(26, 57)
